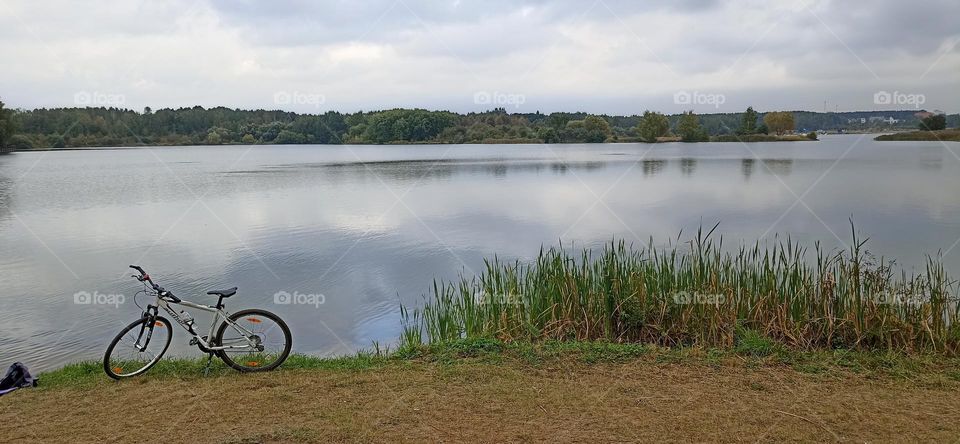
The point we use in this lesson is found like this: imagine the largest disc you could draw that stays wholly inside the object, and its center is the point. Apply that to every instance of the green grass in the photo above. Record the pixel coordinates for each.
(696, 293)
(754, 343)
(951, 135)
(86, 373)
(753, 350)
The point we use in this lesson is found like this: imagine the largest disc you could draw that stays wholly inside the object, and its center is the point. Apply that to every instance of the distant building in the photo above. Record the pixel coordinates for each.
(881, 119)
(923, 114)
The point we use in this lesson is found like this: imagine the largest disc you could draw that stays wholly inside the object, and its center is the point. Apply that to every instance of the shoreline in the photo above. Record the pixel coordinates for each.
(111, 148)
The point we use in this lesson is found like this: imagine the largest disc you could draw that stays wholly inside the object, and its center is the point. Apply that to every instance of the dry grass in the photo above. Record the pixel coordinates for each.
(476, 400)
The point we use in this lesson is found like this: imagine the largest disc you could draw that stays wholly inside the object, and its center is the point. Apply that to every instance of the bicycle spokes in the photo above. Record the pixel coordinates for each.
(254, 341)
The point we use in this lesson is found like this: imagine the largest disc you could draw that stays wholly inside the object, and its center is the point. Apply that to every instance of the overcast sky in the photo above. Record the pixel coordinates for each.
(603, 56)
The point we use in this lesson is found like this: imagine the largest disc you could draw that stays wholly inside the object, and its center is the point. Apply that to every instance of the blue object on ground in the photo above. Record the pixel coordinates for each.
(18, 376)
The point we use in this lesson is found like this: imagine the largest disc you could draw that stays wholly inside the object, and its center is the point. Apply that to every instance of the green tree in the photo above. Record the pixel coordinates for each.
(287, 137)
(652, 125)
(597, 129)
(548, 134)
(213, 138)
(19, 142)
(7, 127)
(748, 122)
(935, 122)
(689, 130)
(248, 139)
(779, 121)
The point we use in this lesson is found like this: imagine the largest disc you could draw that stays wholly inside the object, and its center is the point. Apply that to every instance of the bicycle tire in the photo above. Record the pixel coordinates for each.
(114, 369)
(250, 366)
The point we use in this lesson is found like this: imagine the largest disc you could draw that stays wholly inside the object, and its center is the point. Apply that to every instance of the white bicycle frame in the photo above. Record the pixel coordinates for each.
(217, 314)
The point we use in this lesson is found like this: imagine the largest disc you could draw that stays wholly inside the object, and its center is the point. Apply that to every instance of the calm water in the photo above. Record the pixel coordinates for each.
(370, 227)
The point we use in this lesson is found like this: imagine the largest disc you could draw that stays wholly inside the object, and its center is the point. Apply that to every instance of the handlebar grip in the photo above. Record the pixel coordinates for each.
(135, 267)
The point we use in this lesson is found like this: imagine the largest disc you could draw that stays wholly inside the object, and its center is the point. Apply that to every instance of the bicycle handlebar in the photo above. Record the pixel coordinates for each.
(144, 277)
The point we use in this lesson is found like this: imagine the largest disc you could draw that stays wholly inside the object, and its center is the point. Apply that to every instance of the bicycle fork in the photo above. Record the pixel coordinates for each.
(148, 326)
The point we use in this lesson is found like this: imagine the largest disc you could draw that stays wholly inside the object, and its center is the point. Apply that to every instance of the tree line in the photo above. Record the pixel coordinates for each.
(81, 127)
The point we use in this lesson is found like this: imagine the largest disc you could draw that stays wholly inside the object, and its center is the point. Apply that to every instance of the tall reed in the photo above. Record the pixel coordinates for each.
(699, 294)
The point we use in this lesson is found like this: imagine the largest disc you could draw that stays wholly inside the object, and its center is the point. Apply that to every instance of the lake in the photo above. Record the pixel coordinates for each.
(335, 238)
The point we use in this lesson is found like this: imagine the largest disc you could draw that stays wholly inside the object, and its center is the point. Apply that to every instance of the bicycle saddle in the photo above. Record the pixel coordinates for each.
(224, 293)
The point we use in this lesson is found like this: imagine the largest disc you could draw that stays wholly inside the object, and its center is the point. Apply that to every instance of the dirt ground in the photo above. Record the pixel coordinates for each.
(474, 402)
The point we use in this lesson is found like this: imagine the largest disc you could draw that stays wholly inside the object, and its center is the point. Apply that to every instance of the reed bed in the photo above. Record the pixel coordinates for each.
(697, 293)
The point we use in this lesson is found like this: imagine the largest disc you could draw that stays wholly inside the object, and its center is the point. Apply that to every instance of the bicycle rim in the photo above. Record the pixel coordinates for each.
(132, 353)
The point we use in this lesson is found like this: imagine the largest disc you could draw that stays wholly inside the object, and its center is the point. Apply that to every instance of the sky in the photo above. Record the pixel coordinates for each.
(598, 56)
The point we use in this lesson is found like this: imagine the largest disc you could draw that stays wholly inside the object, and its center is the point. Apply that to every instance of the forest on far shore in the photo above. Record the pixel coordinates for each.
(102, 126)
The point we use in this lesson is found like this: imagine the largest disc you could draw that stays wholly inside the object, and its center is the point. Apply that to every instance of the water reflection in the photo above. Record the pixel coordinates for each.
(688, 165)
(780, 167)
(406, 171)
(653, 167)
(746, 168)
(931, 161)
(6, 192)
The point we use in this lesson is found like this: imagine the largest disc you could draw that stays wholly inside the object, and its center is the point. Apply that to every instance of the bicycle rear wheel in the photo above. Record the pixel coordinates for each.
(137, 347)
(270, 334)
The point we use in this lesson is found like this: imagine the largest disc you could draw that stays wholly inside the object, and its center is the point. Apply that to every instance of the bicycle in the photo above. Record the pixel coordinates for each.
(247, 349)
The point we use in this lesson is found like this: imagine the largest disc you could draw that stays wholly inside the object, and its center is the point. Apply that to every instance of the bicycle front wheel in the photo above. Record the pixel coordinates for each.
(137, 347)
(258, 341)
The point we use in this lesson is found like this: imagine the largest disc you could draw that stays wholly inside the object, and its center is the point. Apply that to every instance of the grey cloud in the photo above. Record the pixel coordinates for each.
(612, 56)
